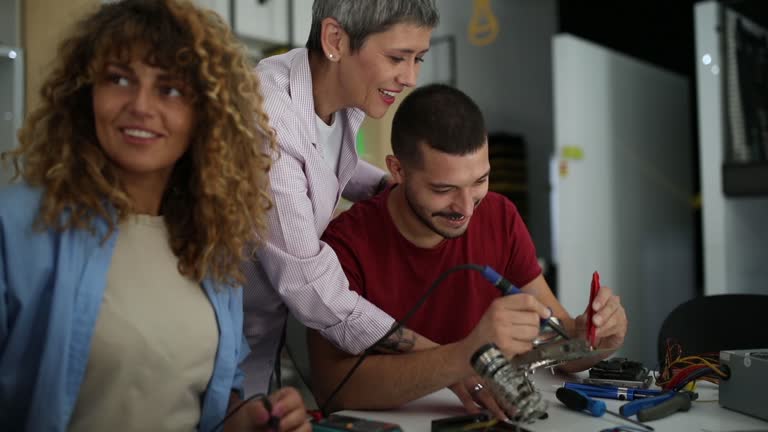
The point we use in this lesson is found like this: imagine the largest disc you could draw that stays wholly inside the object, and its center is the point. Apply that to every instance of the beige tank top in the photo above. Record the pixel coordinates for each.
(154, 344)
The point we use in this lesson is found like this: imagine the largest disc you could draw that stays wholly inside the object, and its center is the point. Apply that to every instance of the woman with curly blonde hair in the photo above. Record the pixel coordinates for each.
(142, 176)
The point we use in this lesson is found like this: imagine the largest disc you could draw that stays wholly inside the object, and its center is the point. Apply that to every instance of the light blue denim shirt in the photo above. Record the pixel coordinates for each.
(51, 288)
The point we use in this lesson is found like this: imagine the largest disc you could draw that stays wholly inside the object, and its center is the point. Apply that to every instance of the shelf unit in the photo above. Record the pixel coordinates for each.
(509, 168)
(745, 179)
(733, 227)
(743, 69)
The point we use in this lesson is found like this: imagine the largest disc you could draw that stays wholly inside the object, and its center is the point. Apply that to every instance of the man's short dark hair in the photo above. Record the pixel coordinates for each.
(440, 116)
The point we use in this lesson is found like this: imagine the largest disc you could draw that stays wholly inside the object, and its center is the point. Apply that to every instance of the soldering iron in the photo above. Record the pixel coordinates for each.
(508, 288)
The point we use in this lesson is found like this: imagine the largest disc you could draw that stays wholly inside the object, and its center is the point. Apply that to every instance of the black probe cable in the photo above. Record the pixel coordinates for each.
(396, 327)
(273, 423)
(346, 378)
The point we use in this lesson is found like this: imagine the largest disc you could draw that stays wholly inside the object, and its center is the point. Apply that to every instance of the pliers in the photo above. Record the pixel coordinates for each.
(658, 407)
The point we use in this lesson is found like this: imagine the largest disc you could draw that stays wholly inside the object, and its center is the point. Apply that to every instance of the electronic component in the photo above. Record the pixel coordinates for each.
(620, 383)
(744, 389)
(619, 372)
(619, 368)
(510, 385)
(335, 423)
(554, 354)
(479, 422)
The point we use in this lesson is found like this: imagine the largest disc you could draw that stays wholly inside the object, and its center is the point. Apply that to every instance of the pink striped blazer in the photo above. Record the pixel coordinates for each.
(295, 271)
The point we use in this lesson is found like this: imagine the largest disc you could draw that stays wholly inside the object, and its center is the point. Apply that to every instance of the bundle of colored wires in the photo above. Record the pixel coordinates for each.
(679, 370)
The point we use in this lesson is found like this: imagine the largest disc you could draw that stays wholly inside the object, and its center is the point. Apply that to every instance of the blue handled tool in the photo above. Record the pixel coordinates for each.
(507, 288)
(631, 408)
(578, 401)
(613, 392)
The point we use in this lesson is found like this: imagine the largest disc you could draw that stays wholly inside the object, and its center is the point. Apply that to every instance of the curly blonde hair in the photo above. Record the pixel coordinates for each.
(217, 197)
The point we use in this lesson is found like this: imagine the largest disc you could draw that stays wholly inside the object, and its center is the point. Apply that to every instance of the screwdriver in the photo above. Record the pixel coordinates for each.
(507, 288)
(579, 401)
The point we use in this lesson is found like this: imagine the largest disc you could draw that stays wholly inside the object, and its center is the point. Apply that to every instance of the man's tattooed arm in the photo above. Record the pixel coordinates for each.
(401, 341)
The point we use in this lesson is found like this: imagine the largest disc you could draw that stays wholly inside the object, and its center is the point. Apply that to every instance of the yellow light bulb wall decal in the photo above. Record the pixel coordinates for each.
(483, 26)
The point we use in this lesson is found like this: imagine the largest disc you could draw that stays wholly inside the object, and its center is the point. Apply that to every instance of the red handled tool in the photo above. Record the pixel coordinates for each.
(594, 289)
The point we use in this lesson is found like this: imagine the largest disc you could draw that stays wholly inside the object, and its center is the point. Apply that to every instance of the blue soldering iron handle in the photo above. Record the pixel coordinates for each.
(506, 287)
(632, 408)
(599, 391)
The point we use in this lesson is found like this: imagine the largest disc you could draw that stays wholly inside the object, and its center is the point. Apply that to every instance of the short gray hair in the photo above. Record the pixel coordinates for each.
(362, 18)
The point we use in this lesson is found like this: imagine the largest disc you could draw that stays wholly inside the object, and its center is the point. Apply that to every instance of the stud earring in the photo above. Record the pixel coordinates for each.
(330, 56)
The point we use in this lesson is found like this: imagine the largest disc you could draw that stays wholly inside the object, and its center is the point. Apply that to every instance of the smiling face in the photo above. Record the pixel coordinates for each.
(443, 192)
(372, 77)
(144, 119)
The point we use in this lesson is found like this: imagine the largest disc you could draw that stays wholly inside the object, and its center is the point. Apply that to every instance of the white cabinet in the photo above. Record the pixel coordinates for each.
(221, 7)
(622, 204)
(302, 21)
(11, 102)
(10, 23)
(262, 20)
(281, 22)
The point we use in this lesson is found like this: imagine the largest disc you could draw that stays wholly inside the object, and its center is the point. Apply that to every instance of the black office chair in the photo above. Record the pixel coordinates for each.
(716, 323)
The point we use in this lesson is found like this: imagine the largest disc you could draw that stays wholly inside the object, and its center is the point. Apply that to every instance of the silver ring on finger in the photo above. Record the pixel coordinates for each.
(476, 389)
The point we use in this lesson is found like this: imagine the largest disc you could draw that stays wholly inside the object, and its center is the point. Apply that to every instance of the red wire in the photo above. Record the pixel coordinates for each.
(681, 376)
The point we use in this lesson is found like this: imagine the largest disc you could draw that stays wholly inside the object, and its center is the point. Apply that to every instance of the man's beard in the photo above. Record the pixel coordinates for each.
(428, 222)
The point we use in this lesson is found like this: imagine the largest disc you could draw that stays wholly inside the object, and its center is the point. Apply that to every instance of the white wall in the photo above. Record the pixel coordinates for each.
(11, 89)
(10, 95)
(11, 102)
(221, 7)
(735, 231)
(9, 23)
(624, 208)
(511, 81)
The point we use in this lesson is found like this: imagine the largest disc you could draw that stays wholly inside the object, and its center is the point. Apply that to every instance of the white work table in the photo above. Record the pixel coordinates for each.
(705, 415)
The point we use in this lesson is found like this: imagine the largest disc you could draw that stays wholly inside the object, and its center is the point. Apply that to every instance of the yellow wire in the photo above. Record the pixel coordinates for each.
(666, 375)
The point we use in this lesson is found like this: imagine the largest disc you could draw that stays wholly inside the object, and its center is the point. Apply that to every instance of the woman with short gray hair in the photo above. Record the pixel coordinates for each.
(359, 19)
(359, 56)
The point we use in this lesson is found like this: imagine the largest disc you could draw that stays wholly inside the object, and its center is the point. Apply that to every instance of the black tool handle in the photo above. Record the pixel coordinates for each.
(680, 402)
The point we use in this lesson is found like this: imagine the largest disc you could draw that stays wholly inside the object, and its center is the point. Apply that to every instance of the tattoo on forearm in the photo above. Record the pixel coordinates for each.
(401, 341)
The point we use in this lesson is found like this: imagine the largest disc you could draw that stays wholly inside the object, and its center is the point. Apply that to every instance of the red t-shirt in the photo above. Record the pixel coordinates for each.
(392, 273)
